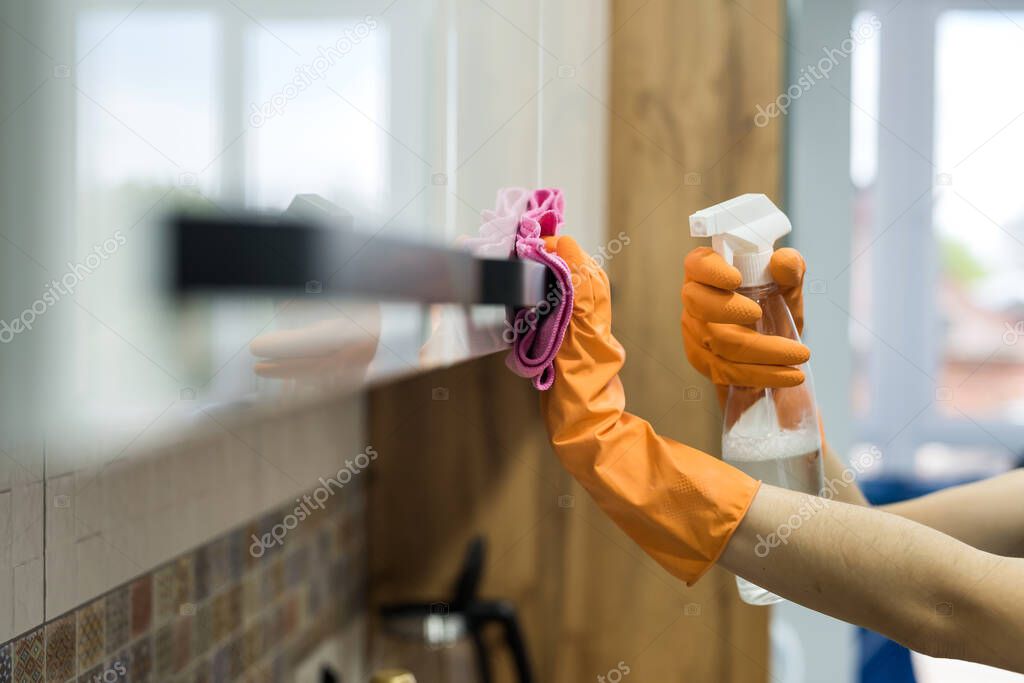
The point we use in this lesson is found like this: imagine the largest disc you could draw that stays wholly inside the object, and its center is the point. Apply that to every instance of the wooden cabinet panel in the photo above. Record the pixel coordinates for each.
(686, 82)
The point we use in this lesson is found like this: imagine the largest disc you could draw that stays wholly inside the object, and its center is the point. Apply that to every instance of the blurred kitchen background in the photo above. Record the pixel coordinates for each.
(149, 442)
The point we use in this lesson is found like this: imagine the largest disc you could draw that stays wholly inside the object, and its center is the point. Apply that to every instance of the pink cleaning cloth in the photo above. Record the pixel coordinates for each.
(497, 235)
(538, 331)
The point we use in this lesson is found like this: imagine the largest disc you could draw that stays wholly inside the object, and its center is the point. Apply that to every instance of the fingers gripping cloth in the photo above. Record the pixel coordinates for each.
(538, 331)
(520, 221)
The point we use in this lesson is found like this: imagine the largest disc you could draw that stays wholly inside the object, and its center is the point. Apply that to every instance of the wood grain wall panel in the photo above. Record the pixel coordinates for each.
(475, 463)
(687, 78)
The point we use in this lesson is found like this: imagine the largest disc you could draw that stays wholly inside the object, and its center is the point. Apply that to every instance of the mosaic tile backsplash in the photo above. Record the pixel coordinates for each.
(230, 610)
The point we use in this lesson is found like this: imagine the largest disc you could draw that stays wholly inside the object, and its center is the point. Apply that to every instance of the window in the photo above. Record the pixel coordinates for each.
(979, 216)
(338, 91)
(937, 324)
(157, 127)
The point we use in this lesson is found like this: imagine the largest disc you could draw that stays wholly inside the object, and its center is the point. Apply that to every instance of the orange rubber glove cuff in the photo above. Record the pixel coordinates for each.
(679, 504)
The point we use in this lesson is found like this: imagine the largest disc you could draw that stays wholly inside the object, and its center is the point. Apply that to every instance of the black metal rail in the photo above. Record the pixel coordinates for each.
(294, 255)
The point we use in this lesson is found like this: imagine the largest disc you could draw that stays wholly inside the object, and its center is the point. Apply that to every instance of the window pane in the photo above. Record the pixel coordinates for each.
(979, 213)
(141, 141)
(318, 119)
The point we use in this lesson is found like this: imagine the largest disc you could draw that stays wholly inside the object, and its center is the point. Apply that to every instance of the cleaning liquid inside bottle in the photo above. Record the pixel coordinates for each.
(772, 434)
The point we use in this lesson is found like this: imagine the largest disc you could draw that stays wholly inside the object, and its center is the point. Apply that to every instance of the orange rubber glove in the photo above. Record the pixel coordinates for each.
(716, 321)
(679, 504)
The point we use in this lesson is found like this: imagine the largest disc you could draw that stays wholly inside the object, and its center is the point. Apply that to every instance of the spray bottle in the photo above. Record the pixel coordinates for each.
(771, 434)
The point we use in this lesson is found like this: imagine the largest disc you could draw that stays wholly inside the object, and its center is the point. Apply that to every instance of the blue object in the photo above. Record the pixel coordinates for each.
(882, 660)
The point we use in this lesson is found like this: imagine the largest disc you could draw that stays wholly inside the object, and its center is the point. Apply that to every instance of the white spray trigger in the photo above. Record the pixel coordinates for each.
(743, 230)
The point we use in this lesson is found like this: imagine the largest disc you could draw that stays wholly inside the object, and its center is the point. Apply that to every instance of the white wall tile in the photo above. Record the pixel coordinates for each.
(21, 568)
(61, 509)
(20, 463)
(6, 569)
(93, 555)
(125, 494)
(6, 531)
(28, 595)
(27, 521)
(61, 577)
(91, 499)
(128, 515)
(7, 630)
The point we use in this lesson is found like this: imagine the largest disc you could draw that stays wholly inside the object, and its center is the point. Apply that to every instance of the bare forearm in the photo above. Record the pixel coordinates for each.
(842, 480)
(911, 583)
(987, 515)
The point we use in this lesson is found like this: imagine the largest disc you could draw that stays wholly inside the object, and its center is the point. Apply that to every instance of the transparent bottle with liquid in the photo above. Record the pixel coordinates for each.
(771, 434)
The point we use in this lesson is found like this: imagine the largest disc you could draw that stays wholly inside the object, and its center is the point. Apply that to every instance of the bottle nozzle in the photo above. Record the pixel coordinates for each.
(743, 230)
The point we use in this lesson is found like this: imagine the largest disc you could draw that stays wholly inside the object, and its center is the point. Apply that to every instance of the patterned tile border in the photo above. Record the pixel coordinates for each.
(215, 614)
(91, 635)
(6, 665)
(141, 611)
(30, 657)
(60, 649)
(118, 618)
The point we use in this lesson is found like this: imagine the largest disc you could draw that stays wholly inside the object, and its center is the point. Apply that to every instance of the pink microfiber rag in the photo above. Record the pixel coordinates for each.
(516, 226)
(537, 332)
(497, 235)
